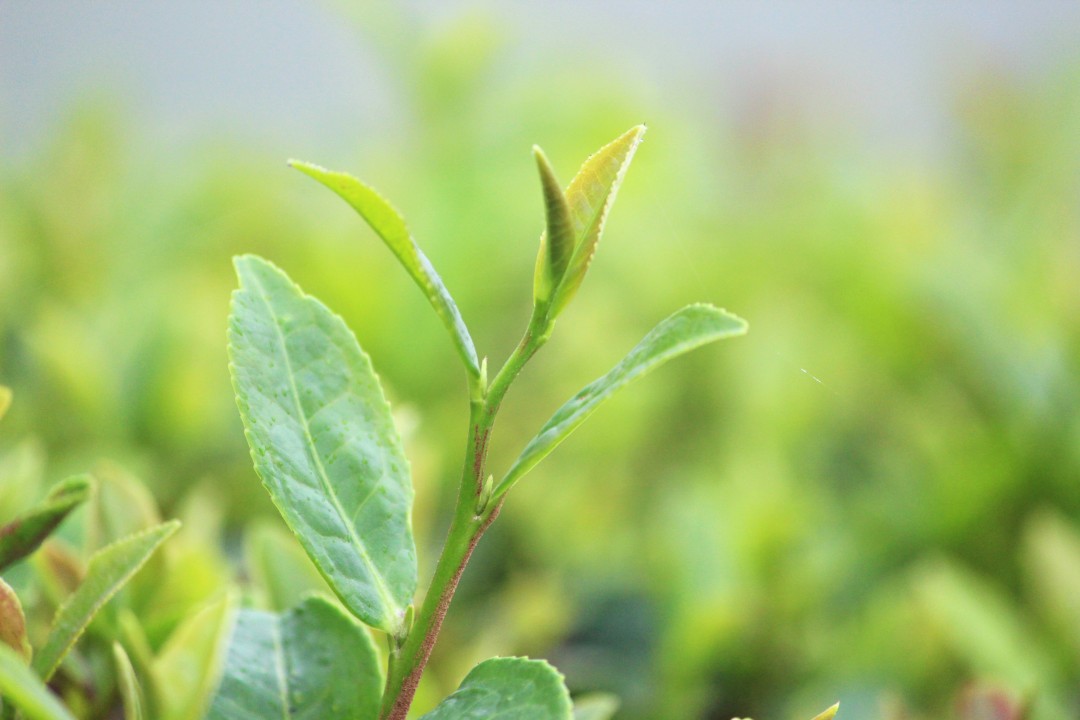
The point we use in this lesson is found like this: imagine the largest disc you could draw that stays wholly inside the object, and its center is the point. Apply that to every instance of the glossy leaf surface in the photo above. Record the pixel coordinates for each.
(24, 534)
(23, 689)
(689, 328)
(323, 441)
(130, 692)
(388, 224)
(507, 689)
(13, 622)
(309, 663)
(589, 196)
(108, 570)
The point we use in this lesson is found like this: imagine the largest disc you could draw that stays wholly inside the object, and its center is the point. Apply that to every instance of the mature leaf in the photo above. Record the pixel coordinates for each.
(24, 534)
(189, 667)
(590, 195)
(507, 689)
(130, 692)
(596, 707)
(13, 622)
(689, 328)
(5, 400)
(26, 691)
(828, 714)
(388, 224)
(557, 241)
(109, 569)
(312, 662)
(323, 441)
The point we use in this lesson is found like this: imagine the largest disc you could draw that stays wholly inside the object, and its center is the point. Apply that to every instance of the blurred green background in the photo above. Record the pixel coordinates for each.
(873, 497)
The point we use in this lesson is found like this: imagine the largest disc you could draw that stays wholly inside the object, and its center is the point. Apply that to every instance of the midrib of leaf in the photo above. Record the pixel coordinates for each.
(380, 583)
(280, 670)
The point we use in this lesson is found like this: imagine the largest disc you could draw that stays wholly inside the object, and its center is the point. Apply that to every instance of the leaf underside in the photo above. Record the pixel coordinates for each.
(24, 534)
(109, 569)
(310, 663)
(23, 689)
(507, 689)
(323, 441)
(689, 328)
(388, 224)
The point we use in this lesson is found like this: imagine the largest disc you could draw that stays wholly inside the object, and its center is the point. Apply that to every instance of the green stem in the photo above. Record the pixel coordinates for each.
(409, 656)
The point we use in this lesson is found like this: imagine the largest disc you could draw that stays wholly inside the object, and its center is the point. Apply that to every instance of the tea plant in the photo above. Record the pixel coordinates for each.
(324, 443)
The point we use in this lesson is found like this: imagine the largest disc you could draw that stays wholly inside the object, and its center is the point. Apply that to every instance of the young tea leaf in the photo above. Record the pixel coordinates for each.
(590, 195)
(310, 663)
(508, 689)
(20, 687)
(596, 707)
(24, 534)
(130, 692)
(109, 569)
(323, 441)
(388, 224)
(5, 400)
(190, 665)
(13, 622)
(689, 328)
(278, 565)
(828, 714)
(557, 241)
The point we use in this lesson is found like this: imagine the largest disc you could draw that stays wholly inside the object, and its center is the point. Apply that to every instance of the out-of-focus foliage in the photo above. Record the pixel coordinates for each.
(875, 496)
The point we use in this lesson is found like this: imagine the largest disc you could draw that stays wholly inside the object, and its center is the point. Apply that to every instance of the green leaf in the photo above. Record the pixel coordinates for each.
(828, 714)
(190, 665)
(24, 534)
(130, 692)
(507, 689)
(596, 707)
(26, 691)
(109, 569)
(388, 224)
(13, 622)
(557, 242)
(590, 195)
(5, 400)
(323, 441)
(312, 662)
(689, 328)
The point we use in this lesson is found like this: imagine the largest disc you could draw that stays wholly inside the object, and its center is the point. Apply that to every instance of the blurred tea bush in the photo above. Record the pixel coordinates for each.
(874, 497)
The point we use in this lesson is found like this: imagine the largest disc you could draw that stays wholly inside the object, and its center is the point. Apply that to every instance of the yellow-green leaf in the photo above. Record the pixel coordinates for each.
(189, 667)
(131, 694)
(109, 569)
(598, 706)
(557, 241)
(5, 400)
(388, 224)
(590, 195)
(828, 714)
(23, 689)
(689, 328)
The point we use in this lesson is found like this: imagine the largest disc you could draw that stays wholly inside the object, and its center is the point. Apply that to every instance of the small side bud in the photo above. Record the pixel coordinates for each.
(485, 495)
(406, 626)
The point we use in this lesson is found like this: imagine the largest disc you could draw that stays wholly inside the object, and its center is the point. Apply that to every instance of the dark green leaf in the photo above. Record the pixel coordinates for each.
(689, 328)
(312, 662)
(13, 622)
(24, 534)
(507, 689)
(24, 690)
(323, 441)
(557, 241)
(590, 195)
(390, 226)
(109, 569)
